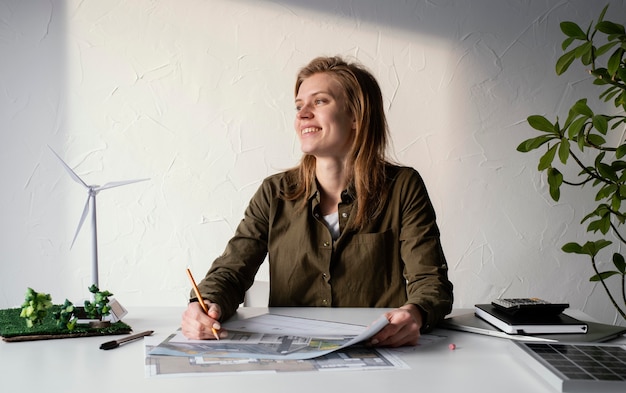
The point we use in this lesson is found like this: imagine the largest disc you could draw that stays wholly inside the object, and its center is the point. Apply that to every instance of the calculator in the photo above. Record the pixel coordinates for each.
(528, 306)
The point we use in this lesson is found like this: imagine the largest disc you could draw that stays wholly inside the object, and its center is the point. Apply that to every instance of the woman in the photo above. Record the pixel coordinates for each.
(345, 228)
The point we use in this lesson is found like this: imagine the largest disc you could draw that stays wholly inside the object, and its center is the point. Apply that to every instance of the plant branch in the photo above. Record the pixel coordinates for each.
(624, 288)
(585, 169)
(618, 235)
(582, 183)
(609, 176)
(608, 292)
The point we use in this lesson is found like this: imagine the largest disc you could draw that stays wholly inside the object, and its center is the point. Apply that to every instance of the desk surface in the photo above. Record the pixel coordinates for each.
(71, 365)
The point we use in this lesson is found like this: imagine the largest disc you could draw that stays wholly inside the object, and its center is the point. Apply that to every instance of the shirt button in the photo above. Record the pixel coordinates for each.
(344, 215)
(326, 244)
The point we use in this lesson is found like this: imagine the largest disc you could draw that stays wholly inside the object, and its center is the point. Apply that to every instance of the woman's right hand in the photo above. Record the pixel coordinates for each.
(197, 325)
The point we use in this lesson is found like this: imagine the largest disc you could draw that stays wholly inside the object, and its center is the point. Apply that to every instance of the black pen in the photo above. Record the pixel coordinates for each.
(116, 343)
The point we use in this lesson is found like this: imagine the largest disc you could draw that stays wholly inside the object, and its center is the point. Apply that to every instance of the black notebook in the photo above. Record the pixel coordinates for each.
(513, 324)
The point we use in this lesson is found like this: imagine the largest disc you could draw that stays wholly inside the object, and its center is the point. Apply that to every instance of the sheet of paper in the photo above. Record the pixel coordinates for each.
(279, 343)
(355, 358)
(281, 324)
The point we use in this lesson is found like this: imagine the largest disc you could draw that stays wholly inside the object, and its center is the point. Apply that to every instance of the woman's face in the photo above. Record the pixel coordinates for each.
(323, 123)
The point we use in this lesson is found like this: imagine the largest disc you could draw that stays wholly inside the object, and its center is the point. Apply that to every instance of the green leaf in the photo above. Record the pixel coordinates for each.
(618, 123)
(582, 108)
(571, 29)
(563, 63)
(610, 93)
(601, 124)
(540, 123)
(72, 324)
(606, 191)
(576, 127)
(607, 172)
(605, 48)
(621, 75)
(587, 57)
(545, 161)
(564, 150)
(619, 262)
(597, 225)
(592, 248)
(588, 216)
(555, 179)
(583, 50)
(567, 42)
(620, 100)
(534, 143)
(603, 276)
(593, 226)
(601, 18)
(595, 140)
(609, 28)
(621, 151)
(614, 61)
(603, 225)
(573, 248)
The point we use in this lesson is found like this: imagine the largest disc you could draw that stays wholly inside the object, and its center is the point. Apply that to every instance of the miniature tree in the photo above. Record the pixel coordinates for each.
(35, 307)
(99, 307)
(65, 316)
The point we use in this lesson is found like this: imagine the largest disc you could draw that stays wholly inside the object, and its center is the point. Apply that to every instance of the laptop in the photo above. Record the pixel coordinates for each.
(469, 322)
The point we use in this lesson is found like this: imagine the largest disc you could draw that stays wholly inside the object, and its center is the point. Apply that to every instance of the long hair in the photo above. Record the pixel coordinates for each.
(366, 160)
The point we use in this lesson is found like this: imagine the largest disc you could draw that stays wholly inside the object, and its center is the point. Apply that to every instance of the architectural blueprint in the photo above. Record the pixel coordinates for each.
(271, 336)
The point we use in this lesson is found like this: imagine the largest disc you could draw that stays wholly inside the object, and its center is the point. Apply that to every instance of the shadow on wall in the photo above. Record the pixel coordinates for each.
(434, 18)
(33, 79)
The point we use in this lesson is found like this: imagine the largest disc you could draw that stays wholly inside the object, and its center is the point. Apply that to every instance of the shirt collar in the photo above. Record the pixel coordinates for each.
(347, 195)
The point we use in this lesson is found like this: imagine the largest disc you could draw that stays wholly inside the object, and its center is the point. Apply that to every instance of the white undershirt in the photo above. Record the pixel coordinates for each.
(332, 222)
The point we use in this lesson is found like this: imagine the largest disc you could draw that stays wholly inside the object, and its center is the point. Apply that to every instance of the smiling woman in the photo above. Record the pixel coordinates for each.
(345, 228)
(324, 125)
(359, 98)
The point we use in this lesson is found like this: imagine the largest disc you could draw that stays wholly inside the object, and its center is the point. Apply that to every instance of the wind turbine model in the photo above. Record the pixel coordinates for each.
(93, 190)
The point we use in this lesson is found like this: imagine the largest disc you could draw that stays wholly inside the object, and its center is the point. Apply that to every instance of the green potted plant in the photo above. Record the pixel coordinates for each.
(587, 140)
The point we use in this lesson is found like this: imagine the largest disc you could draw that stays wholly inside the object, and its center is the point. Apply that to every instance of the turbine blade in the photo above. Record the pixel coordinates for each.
(82, 220)
(118, 184)
(69, 170)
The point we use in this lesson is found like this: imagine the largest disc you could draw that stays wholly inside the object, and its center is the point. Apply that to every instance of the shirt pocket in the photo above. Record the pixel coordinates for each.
(373, 258)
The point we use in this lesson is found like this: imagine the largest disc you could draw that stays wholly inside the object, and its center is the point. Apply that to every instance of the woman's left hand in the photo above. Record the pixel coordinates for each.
(403, 328)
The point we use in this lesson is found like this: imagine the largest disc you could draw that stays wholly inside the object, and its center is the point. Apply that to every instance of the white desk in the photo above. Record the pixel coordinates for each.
(480, 363)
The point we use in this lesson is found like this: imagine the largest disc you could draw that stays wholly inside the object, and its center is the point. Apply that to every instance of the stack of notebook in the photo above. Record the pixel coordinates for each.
(529, 323)
(530, 319)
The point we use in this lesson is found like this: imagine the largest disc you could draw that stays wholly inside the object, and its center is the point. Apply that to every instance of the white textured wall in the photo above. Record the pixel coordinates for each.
(197, 95)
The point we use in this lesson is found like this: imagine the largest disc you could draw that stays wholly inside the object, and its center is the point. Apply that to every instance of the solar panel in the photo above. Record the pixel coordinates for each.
(578, 367)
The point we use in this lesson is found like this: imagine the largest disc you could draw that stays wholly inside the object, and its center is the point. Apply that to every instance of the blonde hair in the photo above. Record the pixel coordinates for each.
(366, 161)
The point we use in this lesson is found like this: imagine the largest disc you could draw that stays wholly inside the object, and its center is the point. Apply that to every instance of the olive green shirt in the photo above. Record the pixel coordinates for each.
(396, 259)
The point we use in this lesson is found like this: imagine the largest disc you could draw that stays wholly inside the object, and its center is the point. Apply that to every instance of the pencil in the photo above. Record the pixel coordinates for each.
(201, 301)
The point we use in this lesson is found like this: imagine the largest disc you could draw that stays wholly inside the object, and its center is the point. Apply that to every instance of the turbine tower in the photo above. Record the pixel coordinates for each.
(90, 206)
